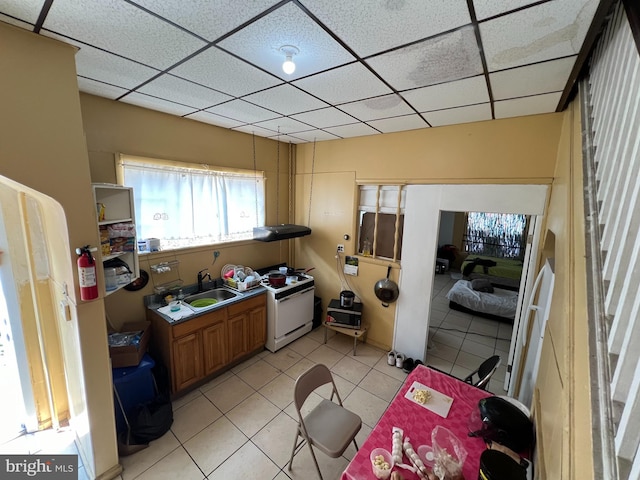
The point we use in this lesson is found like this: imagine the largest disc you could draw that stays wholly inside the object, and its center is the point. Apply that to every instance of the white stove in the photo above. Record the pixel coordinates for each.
(289, 310)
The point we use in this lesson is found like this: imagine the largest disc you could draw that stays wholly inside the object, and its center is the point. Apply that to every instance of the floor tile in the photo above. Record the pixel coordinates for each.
(344, 387)
(350, 369)
(216, 381)
(258, 374)
(304, 346)
(212, 446)
(177, 464)
(369, 407)
(276, 438)
(193, 418)
(253, 414)
(184, 399)
(469, 360)
(446, 338)
(137, 463)
(443, 351)
(304, 469)
(229, 393)
(391, 370)
(326, 355)
(488, 340)
(484, 326)
(299, 368)
(248, 462)
(469, 346)
(250, 361)
(283, 359)
(341, 343)
(317, 334)
(439, 363)
(279, 391)
(380, 385)
(368, 355)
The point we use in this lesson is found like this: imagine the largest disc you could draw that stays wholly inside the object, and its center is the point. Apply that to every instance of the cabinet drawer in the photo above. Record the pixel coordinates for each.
(251, 303)
(199, 322)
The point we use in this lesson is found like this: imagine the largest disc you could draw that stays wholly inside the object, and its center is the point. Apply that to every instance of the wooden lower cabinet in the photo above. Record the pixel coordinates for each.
(247, 327)
(204, 345)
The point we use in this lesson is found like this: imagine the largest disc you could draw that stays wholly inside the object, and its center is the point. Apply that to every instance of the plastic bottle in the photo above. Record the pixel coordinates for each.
(366, 247)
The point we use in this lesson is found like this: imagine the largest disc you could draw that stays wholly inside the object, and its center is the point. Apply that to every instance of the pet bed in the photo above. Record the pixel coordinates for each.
(501, 272)
(501, 304)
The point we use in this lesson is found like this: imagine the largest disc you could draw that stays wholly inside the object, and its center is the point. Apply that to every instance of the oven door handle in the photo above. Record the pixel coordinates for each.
(297, 294)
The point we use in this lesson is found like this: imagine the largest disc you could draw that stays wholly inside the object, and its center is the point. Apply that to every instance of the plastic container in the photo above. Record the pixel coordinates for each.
(110, 279)
(380, 471)
(134, 386)
(425, 452)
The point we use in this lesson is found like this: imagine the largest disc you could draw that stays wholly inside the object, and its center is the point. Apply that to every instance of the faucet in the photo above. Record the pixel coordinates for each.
(201, 277)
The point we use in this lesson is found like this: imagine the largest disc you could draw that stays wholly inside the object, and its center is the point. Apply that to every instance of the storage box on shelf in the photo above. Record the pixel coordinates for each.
(116, 223)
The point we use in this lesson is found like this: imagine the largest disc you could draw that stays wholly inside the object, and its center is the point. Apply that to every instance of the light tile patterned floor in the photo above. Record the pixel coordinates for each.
(241, 424)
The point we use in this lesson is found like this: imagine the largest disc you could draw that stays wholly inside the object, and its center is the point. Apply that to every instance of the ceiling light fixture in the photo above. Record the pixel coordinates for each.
(289, 51)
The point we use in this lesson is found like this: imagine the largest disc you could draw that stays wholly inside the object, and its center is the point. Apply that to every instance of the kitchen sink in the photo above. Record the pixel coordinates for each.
(209, 299)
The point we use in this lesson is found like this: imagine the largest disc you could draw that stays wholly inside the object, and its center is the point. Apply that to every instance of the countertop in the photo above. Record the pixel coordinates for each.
(155, 302)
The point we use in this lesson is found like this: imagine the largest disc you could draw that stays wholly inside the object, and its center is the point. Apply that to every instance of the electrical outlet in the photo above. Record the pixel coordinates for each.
(216, 253)
(340, 248)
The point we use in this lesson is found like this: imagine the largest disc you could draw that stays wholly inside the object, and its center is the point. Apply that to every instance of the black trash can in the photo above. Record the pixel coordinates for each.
(317, 312)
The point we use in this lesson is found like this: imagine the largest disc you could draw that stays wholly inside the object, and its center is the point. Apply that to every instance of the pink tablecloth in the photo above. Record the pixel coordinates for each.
(418, 422)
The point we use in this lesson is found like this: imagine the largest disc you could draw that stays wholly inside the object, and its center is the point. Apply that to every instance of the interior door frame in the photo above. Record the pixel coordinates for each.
(424, 204)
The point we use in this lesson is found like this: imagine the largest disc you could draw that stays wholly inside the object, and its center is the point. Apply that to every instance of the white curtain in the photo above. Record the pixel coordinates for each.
(185, 207)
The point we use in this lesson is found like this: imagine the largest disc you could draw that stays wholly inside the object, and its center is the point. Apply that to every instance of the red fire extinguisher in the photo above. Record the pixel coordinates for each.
(87, 274)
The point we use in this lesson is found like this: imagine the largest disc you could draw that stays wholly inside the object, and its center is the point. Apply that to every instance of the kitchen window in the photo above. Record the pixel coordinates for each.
(186, 205)
(381, 221)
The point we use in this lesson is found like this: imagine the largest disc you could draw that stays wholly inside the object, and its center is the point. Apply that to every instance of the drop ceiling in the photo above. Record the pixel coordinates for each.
(364, 67)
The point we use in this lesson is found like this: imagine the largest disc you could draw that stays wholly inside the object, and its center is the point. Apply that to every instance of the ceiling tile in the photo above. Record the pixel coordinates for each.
(368, 30)
(214, 119)
(239, 78)
(154, 103)
(24, 10)
(377, 108)
(207, 18)
(243, 111)
(344, 84)
(17, 23)
(352, 130)
(106, 67)
(285, 125)
(549, 30)
(451, 94)
(442, 59)
(325, 117)
(287, 139)
(100, 89)
(259, 43)
(516, 107)
(489, 8)
(121, 28)
(450, 116)
(253, 129)
(397, 124)
(312, 135)
(531, 80)
(286, 100)
(181, 91)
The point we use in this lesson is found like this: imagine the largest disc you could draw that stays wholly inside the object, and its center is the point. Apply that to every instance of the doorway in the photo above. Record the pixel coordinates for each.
(461, 338)
(423, 208)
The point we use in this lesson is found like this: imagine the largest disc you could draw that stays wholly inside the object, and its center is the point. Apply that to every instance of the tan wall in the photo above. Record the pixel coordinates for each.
(562, 396)
(116, 127)
(42, 147)
(520, 150)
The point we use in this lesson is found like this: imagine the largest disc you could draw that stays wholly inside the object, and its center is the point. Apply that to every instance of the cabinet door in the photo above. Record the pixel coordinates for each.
(257, 328)
(187, 360)
(214, 347)
(237, 336)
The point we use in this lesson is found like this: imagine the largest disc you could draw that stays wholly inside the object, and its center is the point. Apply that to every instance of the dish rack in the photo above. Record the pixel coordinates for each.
(235, 283)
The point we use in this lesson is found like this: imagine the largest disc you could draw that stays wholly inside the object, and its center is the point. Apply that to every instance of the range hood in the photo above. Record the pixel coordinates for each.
(280, 232)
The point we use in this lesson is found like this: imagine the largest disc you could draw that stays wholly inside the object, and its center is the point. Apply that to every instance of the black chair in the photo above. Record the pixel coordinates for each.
(484, 372)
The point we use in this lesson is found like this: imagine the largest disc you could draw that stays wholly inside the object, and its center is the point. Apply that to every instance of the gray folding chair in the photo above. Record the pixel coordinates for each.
(329, 426)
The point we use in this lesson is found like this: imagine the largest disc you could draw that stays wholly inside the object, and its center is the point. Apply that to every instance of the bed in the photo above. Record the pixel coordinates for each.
(499, 305)
(501, 272)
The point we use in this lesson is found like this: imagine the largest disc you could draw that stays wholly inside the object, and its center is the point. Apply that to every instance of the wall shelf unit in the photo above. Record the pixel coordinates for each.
(115, 211)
